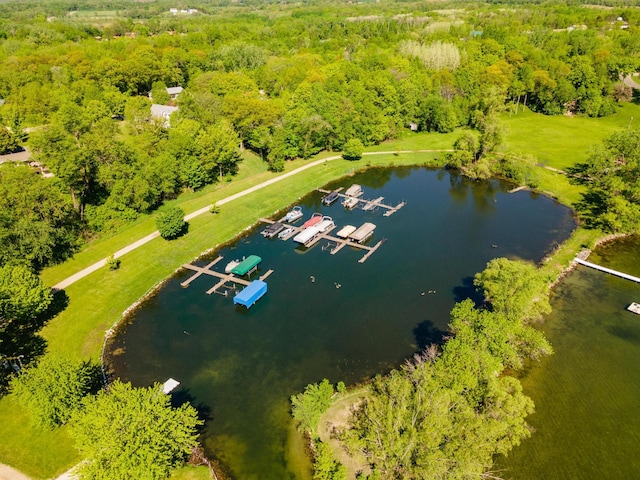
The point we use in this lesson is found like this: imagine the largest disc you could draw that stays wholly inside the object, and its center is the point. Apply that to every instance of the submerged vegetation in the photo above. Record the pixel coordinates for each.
(277, 83)
(447, 412)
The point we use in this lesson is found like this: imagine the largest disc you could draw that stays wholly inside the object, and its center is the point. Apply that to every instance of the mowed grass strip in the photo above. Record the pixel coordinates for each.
(96, 302)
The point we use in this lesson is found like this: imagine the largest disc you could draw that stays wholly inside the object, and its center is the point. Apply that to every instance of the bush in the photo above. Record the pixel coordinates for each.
(113, 263)
(52, 390)
(353, 149)
(171, 223)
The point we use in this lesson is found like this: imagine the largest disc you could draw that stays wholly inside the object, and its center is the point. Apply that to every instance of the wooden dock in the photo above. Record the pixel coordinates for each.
(337, 244)
(221, 287)
(370, 205)
(607, 270)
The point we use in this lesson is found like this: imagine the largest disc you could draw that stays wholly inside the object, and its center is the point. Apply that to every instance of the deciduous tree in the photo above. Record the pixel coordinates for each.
(53, 389)
(126, 432)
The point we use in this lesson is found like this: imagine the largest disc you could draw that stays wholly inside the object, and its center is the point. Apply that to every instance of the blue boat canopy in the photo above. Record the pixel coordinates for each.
(251, 293)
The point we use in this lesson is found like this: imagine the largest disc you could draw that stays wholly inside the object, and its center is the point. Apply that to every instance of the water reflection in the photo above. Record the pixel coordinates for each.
(245, 364)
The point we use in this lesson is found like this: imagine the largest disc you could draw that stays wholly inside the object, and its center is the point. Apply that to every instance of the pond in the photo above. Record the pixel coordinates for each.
(241, 366)
(587, 394)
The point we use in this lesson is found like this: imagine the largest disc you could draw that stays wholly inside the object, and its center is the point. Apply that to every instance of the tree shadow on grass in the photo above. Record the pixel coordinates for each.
(20, 342)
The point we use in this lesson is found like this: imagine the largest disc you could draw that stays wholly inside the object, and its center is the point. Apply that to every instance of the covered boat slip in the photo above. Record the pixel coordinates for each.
(366, 205)
(227, 281)
(345, 231)
(335, 244)
(248, 265)
(331, 197)
(251, 293)
(363, 232)
(307, 236)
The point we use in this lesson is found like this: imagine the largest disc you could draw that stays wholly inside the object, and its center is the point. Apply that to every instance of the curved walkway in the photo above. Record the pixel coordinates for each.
(629, 81)
(101, 263)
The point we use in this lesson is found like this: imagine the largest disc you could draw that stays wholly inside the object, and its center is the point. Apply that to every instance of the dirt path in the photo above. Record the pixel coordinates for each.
(123, 251)
(8, 473)
(335, 419)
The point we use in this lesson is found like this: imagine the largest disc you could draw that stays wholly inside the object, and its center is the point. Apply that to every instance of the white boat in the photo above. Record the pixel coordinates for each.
(231, 265)
(325, 224)
(345, 231)
(354, 190)
(634, 307)
(294, 214)
(349, 202)
(285, 233)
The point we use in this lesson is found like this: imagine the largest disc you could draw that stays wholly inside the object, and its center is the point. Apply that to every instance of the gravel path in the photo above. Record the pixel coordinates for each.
(98, 265)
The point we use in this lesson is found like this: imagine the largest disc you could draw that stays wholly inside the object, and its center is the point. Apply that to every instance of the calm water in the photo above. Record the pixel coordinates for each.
(587, 394)
(241, 366)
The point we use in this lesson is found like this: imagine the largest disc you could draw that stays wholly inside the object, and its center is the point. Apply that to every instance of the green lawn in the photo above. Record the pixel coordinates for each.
(97, 301)
(562, 141)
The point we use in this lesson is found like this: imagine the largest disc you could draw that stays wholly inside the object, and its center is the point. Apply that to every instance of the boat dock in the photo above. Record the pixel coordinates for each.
(335, 243)
(369, 205)
(607, 270)
(221, 287)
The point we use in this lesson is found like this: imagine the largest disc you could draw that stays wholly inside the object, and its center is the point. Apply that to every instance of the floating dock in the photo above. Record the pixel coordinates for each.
(634, 307)
(369, 205)
(228, 281)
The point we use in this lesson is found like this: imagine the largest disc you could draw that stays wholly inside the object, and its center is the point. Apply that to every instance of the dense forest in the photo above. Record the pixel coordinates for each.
(284, 81)
(287, 81)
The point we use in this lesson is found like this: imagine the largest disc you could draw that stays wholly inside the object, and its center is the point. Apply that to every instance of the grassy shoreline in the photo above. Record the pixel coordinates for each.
(98, 301)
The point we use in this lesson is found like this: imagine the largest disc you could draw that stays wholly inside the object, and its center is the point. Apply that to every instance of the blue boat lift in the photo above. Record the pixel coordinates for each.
(251, 293)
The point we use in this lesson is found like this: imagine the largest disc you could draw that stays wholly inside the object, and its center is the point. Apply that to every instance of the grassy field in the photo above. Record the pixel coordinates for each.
(563, 141)
(97, 301)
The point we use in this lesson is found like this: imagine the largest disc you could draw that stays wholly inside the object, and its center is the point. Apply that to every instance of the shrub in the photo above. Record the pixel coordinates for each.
(113, 263)
(171, 223)
(353, 149)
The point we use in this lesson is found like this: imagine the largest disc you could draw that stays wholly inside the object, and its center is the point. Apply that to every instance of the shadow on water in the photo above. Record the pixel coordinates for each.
(427, 333)
(626, 333)
(350, 323)
(183, 396)
(468, 290)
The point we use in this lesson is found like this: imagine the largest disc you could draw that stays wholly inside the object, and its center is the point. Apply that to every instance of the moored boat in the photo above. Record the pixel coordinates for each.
(326, 224)
(315, 218)
(285, 233)
(329, 198)
(294, 214)
(354, 190)
(231, 265)
(349, 202)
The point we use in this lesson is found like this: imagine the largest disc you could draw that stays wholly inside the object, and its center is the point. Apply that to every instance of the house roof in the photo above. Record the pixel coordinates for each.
(174, 90)
(162, 111)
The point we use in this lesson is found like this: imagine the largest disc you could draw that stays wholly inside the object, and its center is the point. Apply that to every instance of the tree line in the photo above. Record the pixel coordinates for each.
(448, 411)
(284, 82)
